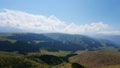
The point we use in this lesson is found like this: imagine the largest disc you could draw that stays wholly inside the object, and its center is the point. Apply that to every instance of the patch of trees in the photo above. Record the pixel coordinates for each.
(51, 60)
(76, 65)
(18, 46)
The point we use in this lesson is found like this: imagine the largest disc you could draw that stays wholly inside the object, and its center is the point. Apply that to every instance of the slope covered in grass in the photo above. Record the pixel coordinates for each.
(97, 58)
(12, 60)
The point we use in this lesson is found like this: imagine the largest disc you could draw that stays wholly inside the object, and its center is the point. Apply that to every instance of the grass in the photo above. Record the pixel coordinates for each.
(110, 66)
(9, 58)
(96, 59)
(5, 34)
(5, 39)
(63, 65)
(56, 53)
(38, 41)
(13, 60)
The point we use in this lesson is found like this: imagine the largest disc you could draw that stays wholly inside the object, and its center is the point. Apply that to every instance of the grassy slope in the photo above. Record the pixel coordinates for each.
(97, 59)
(5, 34)
(54, 53)
(93, 59)
(10, 40)
(63, 65)
(59, 53)
(110, 66)
(12, 60)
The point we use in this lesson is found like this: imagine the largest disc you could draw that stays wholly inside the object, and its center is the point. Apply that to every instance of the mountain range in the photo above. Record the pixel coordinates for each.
(31, 42)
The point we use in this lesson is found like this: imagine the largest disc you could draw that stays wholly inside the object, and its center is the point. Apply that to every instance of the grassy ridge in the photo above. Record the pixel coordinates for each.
(96, 59)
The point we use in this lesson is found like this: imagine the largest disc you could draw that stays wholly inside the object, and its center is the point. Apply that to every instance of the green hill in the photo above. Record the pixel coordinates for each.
(12, 60)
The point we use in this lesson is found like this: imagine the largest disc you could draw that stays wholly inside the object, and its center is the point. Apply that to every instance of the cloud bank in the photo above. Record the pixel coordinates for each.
(31, 23)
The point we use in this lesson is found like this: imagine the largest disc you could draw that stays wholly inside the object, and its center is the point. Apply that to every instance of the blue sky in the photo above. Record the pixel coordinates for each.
(76, 11)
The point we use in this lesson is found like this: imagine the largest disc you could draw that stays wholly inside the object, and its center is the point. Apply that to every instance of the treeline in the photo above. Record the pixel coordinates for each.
(18, 46)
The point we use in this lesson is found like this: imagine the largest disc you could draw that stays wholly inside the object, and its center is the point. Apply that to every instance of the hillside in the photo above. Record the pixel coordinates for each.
(96, 59)
(112, 38)
(13, 60)
(86, 42)
(30, 42)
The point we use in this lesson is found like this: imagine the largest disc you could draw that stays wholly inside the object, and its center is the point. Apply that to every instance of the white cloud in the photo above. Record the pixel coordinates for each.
(27, 21)
(31, 22)
(87, 28)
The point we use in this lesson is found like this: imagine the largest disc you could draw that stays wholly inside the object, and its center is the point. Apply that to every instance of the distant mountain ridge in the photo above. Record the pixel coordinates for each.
(88, 41)
(51, 41)
(112, 38)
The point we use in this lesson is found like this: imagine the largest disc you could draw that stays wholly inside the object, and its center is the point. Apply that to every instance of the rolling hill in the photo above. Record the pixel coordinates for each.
(97, 59)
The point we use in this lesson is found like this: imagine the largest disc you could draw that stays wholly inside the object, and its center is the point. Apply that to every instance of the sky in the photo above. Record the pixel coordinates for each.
(65, 16)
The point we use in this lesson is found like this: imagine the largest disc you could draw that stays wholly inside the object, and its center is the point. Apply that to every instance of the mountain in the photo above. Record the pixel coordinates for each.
(31, 42)
(113, 38)
(87, 42)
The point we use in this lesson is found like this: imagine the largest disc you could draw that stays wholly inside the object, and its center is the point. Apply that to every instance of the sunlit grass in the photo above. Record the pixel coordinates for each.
(110, 66)
(54, 53)
(5, 39)
(57, 53)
